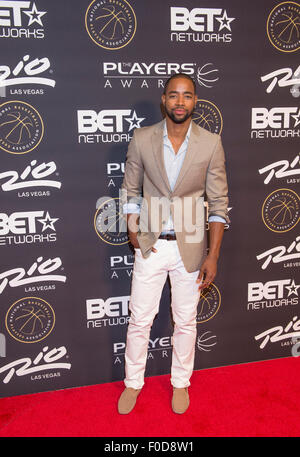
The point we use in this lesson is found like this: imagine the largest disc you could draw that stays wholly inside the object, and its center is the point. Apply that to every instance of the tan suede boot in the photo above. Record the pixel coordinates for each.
(127, 400)
(180, 400)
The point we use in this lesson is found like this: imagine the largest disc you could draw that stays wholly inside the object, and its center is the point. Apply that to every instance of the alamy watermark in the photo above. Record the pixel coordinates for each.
(2, 345)
(296, 346)
(187, 214)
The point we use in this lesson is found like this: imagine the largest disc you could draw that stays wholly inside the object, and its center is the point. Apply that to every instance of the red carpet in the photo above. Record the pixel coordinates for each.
(254, 399)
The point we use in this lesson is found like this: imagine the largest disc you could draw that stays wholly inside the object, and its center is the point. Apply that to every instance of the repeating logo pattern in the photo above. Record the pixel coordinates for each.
(73, 89)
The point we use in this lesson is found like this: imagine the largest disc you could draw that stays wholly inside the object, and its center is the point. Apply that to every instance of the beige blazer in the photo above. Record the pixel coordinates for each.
(146, 182)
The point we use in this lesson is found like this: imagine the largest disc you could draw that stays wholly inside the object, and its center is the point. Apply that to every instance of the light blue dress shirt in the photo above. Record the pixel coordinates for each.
(173, 164)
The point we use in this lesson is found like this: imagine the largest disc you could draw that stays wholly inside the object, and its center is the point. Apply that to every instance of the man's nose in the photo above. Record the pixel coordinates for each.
(180, 100)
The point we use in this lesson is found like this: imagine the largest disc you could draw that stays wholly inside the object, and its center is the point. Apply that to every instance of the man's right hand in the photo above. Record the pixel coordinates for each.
(133, 240)
(133, 226)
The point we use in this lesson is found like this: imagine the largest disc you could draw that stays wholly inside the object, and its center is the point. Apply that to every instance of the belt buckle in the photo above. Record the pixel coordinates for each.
(169, 237)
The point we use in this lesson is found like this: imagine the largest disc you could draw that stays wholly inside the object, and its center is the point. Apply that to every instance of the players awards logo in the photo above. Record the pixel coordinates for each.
(21, 127)
(283, 27)
(30, 320)
(207, 115)
(111, 24)
(281, 210)
(109, 224)
(209, 304)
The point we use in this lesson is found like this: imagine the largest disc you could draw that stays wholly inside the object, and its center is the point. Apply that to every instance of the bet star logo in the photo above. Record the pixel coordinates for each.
(134, 121)
(225, 21)
(297, 118)
(35, 15)
(293, 289)
(48, 222)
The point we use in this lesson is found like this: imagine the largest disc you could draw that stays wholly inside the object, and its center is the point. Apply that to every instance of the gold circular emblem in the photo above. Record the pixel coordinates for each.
(209, 304)
(109, 224)
(21, 127)
(281, 210)
(207, 115)
(111, 24)
(283, 27)
(30, 320)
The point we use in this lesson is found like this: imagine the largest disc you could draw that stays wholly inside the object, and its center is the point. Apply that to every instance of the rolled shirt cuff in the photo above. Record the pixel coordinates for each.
(216, 219)
(129, 208)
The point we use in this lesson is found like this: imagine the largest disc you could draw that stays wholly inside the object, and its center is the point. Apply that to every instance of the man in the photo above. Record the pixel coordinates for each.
(169, 167)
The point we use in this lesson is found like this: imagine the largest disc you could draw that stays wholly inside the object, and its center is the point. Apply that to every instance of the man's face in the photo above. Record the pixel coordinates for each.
(179, 100)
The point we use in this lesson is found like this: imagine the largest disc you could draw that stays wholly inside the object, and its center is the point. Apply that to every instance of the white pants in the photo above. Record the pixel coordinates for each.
(148, 279)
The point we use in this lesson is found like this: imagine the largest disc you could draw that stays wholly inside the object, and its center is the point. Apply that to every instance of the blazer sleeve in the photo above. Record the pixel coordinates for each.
(216, 184)
(132, 186)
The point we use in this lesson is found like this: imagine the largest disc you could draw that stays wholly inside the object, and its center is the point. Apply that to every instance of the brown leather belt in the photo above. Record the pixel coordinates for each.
(168, 237)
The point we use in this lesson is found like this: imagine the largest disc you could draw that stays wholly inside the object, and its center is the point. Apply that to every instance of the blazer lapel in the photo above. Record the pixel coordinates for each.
(192, 149)
(158, 152)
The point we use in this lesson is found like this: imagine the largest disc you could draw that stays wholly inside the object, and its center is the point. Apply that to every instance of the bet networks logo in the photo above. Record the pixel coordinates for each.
(27, 228)
(200, 25)
(106, 313)
(277, 122)
(107, 126)
(21, 19)
(273, 294)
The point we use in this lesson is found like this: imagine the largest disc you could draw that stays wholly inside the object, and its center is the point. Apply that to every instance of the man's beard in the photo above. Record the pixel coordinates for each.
(172, 116)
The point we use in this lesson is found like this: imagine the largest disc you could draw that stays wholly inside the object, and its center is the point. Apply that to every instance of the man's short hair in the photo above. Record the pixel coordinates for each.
(179, 75)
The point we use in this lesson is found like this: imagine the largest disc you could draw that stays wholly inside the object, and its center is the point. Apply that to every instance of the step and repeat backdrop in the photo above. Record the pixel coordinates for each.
(76, 78)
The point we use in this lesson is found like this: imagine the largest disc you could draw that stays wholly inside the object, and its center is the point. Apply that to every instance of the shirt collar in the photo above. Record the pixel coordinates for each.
(188, 133)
